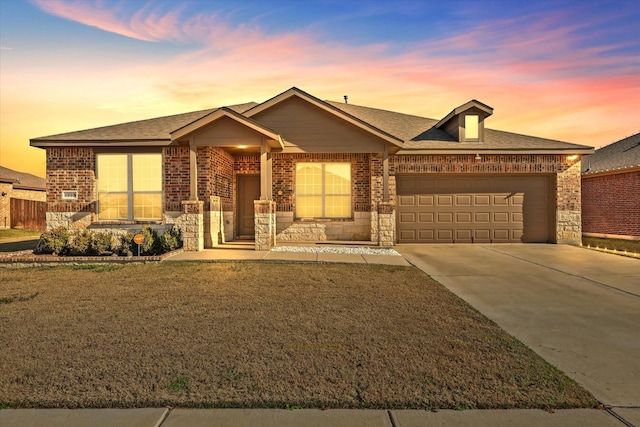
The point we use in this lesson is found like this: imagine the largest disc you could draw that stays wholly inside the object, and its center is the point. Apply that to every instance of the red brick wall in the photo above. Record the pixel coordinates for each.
(215, 175)
(176, 183)
(283, 177)
(70, 168)
(611, 204)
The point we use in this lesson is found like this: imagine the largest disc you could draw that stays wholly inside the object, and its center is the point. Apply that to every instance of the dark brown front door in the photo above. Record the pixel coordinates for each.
(248, 191)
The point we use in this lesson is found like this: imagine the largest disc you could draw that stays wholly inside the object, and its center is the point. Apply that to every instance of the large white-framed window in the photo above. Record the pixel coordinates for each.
(129, 186)
(323, 190)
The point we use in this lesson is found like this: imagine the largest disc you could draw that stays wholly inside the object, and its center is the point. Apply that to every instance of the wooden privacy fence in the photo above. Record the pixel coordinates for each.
(28, 214)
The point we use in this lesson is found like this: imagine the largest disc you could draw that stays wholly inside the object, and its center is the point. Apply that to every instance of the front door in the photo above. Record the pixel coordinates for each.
(248, 191)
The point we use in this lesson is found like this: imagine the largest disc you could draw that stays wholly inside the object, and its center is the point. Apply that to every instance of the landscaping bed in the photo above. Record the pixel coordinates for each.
(259, 335)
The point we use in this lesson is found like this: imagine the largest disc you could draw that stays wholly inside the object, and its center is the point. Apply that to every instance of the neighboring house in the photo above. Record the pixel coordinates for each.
(18, 193)
(611, 190)
(298, 168)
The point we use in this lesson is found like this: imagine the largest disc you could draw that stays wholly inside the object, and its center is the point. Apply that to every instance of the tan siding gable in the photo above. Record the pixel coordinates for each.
(306, 128)
(226, 132)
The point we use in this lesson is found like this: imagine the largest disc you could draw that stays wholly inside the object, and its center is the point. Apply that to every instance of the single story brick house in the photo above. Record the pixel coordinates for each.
(298, 168)
(611, 190)
(17, 191)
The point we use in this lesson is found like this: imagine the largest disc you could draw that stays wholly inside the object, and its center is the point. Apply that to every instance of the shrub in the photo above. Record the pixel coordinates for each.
(126, 243)
(80, 243)
(152, 244)
(101, 243)
(171, 240)
(54, 241)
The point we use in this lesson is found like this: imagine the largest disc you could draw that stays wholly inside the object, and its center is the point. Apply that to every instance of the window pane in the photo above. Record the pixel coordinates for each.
(308, 206)
(471, 127)
(308, 179)
(147, 172)
(337, 178)
(112, 172)
(147, 206)
(337, 206)
(113, 206)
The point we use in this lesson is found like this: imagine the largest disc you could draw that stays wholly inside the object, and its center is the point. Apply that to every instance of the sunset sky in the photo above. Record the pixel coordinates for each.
(567, 70)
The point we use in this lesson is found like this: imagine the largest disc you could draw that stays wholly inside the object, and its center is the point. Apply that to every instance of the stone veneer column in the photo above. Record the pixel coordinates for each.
(265, 224)
(193, 225)
(569, 206)
(215, 221)
(386, 224)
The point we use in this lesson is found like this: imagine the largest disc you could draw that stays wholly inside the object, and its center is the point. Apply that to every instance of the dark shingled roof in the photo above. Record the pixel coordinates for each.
(22, 180)
(620, 155)
(414, 133)
(157, 129)
(420, 133)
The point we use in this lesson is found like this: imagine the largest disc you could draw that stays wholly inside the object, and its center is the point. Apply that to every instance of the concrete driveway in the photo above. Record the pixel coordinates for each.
(579, 309)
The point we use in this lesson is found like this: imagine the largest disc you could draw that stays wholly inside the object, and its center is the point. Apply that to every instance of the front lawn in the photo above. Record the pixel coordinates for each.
(15, 234)
(620, 245)
(259, 335)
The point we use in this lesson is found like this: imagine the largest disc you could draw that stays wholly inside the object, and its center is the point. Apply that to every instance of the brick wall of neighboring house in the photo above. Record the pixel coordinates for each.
(611, 204)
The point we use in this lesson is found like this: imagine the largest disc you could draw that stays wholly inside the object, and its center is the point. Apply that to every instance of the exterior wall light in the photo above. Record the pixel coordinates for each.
(478, 157)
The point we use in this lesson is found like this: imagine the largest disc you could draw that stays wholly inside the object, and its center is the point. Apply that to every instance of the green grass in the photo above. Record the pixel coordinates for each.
(620, 245)
(13, 234)
(258, 335)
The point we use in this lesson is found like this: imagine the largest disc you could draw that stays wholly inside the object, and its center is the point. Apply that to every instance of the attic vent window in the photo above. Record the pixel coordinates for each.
(471, 127)
(69, 195)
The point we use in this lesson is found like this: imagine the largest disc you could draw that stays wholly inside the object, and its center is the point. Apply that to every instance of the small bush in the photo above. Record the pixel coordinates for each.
(80, 243)
(54, 241)
(171, 240)
(101, 243)
(152, 244)
(126, 243)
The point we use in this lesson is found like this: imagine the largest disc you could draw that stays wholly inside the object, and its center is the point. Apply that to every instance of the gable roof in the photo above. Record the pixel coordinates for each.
(409, 134)
(22, 180)
(326, 106)
(618, 156)
(484, 108)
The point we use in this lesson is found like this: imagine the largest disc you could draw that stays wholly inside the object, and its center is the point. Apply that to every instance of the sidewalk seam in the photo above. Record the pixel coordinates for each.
(618, 417)
(164, 417)
(393, 422)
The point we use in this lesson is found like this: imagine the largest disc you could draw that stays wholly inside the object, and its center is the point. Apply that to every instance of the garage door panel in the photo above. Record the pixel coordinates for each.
(511, 208)
(481, 200)
(425, 200)
(463, 200)
(444, 200)
(426, 235)
(406, 201)
(463, 235)
(463, 217)
(426, 218)
(407, 217)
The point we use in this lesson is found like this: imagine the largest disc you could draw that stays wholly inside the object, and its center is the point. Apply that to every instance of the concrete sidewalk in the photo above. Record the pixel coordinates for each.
(164, 417)
(231, 253)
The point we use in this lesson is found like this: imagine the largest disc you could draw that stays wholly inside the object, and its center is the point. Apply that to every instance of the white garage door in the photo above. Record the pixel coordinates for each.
(473, 208)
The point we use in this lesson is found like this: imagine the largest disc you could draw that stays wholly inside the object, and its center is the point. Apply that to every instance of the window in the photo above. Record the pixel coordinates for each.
(129, 186)
(323, 190)
(471, 127)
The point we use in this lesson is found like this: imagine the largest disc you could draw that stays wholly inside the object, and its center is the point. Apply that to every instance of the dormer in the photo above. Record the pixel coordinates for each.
(466, 123)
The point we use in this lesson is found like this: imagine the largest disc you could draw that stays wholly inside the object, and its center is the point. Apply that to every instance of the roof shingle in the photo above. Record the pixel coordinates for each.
(22, 180)
(620, 155)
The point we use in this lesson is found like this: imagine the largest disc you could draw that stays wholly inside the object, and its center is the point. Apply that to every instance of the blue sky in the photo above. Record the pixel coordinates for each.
(565, 70)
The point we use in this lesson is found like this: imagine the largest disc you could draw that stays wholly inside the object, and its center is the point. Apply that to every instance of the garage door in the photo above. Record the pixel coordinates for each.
(473, 209)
